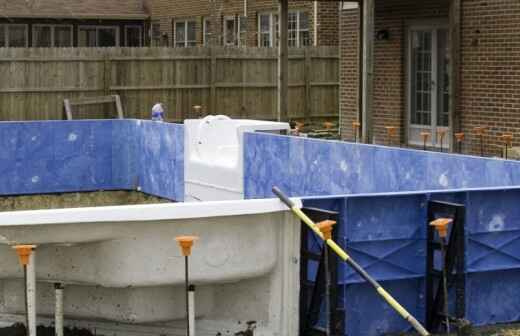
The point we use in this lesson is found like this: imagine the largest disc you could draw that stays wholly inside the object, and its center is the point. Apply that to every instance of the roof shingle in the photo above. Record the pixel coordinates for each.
(73, 8)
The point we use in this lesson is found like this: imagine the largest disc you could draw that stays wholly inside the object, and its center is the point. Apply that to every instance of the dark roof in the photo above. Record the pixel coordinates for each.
(103, 9)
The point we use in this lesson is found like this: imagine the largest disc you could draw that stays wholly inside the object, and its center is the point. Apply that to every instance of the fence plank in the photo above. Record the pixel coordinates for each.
(240, 82)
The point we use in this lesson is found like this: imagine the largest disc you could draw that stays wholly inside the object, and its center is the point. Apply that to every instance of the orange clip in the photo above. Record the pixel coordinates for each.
(326, 228)
(186, 243)
(328, 125)
(392, 130)
(425, 136)
(356, 124)
(459, 136)
(507, 138)
(24, 252)
(441, 225)
(479, 130)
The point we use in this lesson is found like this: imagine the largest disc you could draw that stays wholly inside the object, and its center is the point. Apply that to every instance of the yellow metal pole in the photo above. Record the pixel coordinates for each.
(346, 258)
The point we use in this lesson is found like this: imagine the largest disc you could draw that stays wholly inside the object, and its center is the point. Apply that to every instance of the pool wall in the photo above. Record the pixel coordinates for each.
(383, 220)
(74, 156)
(311, 167)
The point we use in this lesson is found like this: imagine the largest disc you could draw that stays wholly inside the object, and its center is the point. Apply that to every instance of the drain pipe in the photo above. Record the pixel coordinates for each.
(186, 243)
(58, 310)
(26, 257)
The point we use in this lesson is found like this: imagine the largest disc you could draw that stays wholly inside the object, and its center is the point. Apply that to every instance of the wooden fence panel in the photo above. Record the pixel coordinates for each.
(237, 82)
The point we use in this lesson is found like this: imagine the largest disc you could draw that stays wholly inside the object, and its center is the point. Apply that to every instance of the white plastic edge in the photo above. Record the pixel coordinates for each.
(144, 212)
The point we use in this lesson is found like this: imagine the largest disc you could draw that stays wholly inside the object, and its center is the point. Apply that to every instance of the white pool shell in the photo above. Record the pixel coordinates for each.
(121, 263)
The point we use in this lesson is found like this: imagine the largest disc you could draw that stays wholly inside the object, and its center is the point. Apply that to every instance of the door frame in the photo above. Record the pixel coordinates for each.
(426, 24)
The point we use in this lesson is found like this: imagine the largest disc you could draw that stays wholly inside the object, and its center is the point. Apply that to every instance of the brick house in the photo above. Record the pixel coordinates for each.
(252, 23)
(73, 23)
(437, 65)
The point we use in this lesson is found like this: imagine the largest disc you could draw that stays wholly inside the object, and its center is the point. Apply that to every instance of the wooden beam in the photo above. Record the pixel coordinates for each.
(368, 70)
(455, 63)
(283, 61)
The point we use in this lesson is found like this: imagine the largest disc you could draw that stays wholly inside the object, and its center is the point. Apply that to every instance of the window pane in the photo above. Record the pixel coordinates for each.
(229, 39)
(17, 36)
(192, 36)
(133, 36)
(293, 29)
(42, 37)
(180, 34)
(207, 31)
(62, 36)
(107, 37)
(2, 36)
(87, 37)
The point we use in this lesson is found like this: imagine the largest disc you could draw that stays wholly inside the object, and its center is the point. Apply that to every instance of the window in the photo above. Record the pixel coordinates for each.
(133, 36)
(207, 32)
(47, 36)
(298, 29)
(242, 30)
(98, 36)
(13, 35)
(267, 30)
(155, 33)
(230, 30)
(185, 34)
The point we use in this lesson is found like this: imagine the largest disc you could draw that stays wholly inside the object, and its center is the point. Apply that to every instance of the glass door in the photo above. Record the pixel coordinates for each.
(428, 85)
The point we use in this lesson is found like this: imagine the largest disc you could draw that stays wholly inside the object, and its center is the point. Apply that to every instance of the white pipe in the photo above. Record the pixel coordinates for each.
(31, 294)
(58, 311)
(315, 23)
(191, 309)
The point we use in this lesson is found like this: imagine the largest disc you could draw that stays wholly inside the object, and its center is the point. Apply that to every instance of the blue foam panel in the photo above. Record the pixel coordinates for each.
(311, 167)
(74, 156)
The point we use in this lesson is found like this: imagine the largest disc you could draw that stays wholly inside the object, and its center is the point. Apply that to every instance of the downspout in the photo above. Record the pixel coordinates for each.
(315, 21)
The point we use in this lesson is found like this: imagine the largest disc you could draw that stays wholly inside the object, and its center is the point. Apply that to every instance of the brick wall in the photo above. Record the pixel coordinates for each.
(389, 62)
(348, 93)
(490, 74)
(164, 11)
(490, 67)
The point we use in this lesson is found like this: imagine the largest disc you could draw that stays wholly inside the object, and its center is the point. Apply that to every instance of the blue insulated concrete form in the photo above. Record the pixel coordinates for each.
(382, 195)
(72, 156)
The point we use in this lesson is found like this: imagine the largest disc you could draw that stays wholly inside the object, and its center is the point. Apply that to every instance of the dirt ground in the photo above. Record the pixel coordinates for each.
(498, 330)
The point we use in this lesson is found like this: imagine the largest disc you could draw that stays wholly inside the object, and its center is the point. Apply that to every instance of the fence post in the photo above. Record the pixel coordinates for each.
(308, 100)
(107, 79)
(213, 81)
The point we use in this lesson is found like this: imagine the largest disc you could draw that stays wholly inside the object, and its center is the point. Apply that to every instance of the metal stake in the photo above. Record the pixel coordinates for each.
(186, 243)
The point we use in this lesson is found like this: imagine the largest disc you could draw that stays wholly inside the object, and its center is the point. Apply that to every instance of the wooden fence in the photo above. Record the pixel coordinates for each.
(235, 82)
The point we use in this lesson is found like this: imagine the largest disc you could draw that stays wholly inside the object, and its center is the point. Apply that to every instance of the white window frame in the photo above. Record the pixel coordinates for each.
(140, 34)
(435, 26)
(6, 33)
(234, 43)
(97, 33)
(205, 32)
(53, 27)
(298, 13)
(272, 29)
(186, 41)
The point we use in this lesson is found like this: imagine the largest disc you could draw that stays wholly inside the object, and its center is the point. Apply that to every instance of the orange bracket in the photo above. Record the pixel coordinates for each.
(425, 136)
(186, 243)
(480, 130)
(326, 228)
(508, 139)
(328, 125)
(391, 130)
(24, 252)
(460, 136)
(441, 225)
